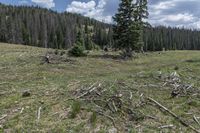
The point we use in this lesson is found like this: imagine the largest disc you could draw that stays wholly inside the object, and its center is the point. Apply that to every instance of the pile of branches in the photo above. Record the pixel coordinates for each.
(52, 58)
(112, 104)
(179, 88)
(125, 104)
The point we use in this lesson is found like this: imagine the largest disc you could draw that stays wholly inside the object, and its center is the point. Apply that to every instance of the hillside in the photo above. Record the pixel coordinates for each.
(78, 95)
(41, 27)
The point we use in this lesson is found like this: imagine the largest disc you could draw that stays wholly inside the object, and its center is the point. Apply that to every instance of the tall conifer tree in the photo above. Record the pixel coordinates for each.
(129, 25)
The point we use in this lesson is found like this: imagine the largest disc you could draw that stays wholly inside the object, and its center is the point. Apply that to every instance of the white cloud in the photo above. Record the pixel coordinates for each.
(81, 7)
(90, 9)
(164, 5)
(45, 3)
(23, 2)
(186, 17)
(175, 13)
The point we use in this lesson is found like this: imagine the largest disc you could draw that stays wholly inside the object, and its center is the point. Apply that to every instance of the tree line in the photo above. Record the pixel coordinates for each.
(168, 38)
(40, 27)
(46, 28)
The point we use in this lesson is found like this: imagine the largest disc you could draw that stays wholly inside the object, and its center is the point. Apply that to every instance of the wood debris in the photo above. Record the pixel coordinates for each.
(109, 104)
(179, 88)
(196, 120)
(128, 103)
(173, 114)
(166, 126)
(38, 114)
(3, 117)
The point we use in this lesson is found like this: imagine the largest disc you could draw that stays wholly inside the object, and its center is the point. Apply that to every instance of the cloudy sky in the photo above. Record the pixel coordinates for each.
(180, 13)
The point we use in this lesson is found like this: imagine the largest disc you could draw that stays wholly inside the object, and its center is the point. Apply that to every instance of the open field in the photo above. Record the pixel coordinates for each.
(53, 97)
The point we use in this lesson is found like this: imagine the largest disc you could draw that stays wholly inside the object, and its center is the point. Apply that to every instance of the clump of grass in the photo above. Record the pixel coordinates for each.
(93, 118)
(76, 108)
(56, 52)
(193, 103)
(101, 131)
(62, 53)
(192, 61)
(176, 68)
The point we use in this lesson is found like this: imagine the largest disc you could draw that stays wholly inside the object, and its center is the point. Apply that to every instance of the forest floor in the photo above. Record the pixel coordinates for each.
(98, 93)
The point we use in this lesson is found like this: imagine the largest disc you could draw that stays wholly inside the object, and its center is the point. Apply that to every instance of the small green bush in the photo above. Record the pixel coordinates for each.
(77, 51)
(96, 47)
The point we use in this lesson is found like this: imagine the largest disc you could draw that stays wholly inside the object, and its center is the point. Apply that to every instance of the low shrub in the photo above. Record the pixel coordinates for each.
(77, 51)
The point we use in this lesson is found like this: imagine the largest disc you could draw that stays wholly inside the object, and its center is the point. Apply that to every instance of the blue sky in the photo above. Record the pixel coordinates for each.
(179, 13)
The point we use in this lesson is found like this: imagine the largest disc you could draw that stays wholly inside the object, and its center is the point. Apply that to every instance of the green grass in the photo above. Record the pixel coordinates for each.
(51, 85)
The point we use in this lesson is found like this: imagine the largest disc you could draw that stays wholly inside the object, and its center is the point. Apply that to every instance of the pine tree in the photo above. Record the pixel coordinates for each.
(140, 14)
(89, 45)
(128, 33)
(78, 49)
(80, 39)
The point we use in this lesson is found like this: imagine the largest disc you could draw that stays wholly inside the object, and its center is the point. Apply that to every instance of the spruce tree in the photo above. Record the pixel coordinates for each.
(80, 39)
(78, 49)
(141, 13)
(89, 44)
(129, 25)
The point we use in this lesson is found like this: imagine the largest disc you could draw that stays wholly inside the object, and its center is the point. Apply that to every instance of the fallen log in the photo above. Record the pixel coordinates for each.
(173, 114)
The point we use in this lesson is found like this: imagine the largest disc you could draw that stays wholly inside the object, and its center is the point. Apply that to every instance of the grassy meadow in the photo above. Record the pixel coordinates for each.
(52, 91)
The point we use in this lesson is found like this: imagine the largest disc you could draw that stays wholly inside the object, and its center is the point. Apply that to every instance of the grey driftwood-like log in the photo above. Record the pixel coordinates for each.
(173, 114)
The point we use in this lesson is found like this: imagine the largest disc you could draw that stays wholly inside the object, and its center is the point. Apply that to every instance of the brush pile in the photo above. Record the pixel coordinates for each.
(125, 105)
(112, 104)
(56, 58)
(179, 88)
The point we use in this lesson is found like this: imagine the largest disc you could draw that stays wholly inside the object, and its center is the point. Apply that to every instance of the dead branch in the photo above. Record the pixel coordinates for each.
(39, 111)
(173, 114)
(131, 95)
(151, 117)
(4, 83)
(196, 120)
(3, 117)
(91, 89)
(190, 86)
(109, 117)
(115, 108)
(73, 84)
(22, 110)
(166, 126)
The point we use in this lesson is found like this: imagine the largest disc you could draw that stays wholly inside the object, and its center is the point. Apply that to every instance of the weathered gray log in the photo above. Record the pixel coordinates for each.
(173, 114)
